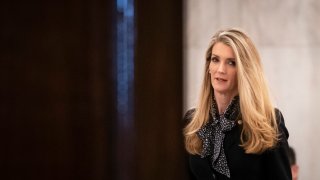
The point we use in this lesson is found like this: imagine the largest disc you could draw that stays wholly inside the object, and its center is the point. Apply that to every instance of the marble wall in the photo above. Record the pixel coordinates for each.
(287, 36)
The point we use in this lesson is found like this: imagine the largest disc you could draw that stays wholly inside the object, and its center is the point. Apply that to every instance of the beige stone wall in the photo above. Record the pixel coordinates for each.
(287, 34)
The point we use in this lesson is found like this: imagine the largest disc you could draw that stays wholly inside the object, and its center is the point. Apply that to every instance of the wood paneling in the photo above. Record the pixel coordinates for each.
(55, 108)
(58, 92)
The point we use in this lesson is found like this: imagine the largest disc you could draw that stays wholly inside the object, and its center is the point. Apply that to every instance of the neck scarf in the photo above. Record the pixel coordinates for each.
(212, 135)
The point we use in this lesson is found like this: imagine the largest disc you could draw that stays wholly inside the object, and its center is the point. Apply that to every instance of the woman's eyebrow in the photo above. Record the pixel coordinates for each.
(213, 55)
(230, 59)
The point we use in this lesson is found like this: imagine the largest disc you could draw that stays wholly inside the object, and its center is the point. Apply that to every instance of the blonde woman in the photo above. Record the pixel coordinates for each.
(235, 132)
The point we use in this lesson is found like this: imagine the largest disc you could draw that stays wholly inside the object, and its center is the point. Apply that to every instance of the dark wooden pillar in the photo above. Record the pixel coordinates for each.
(158, 90)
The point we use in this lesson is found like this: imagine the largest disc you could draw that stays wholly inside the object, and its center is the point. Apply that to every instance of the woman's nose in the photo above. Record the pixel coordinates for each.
(221, 68)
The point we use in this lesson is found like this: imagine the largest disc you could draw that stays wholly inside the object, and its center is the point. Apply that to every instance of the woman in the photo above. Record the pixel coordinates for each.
(235, 132)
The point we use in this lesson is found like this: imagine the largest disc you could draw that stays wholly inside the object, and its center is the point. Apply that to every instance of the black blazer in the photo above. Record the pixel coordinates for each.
(273, 164)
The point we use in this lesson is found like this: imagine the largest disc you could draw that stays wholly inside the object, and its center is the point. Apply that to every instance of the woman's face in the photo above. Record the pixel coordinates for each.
(223, 71)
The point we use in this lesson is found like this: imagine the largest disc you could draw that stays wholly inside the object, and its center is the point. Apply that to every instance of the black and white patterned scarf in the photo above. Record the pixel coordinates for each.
(212, 135)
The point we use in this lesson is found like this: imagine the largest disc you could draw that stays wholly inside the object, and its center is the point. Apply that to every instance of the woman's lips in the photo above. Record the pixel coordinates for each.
(220, 79)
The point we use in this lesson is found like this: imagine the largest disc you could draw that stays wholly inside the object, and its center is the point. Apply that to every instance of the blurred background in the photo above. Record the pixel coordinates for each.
(97, 89)
(287, 37)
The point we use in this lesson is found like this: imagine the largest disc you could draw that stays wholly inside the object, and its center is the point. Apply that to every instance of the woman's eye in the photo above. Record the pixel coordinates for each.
(233, 63)
(214, 59)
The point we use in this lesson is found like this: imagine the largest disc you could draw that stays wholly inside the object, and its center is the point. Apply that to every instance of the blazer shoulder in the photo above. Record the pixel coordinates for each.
(281, 124)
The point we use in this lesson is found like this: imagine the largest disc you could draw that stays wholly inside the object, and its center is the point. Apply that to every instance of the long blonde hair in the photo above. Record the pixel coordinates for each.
(260, 129)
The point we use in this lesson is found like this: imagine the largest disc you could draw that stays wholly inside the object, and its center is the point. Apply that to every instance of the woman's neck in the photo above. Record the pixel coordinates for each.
(223, 100)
